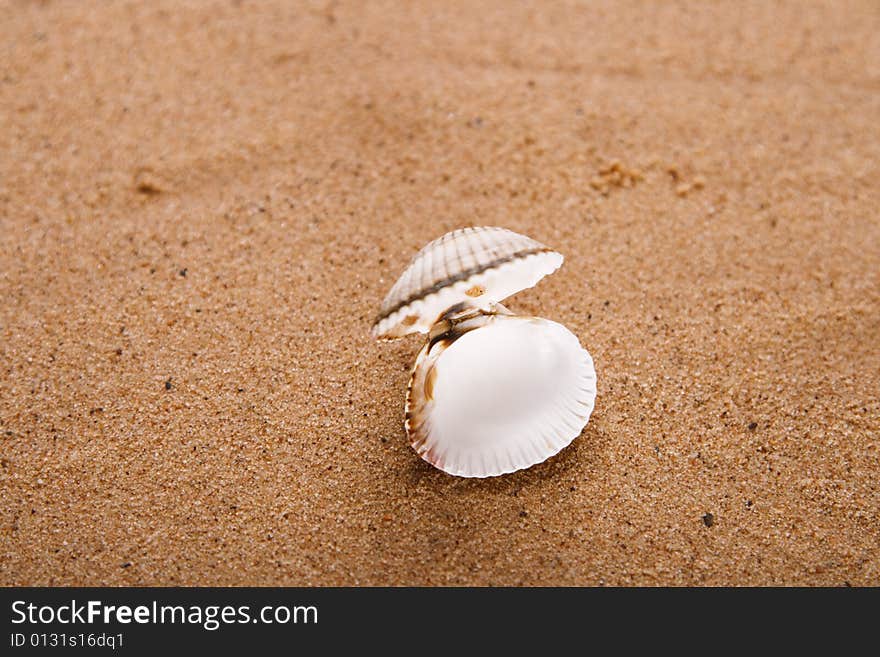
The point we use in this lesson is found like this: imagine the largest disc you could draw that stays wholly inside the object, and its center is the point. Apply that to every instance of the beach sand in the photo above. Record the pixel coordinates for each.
(203, 204)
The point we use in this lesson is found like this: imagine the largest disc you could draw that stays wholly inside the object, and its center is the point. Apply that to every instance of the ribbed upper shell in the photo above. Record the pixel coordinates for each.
(478, 266)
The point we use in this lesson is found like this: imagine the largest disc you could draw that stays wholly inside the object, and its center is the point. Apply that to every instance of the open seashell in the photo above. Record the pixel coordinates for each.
(493, 393)
(476, 266)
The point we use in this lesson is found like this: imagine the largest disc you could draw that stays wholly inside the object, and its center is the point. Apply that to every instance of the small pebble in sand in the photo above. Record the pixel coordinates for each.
(168, 384)
(615, 175)
(685, 188)
(708, 519)
(148, 183)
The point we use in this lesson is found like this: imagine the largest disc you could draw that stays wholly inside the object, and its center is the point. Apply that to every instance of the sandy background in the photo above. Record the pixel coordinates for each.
(203, 204)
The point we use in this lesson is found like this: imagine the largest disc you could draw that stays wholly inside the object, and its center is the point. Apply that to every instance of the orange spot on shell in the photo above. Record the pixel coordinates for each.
(409, 320)
(476, 291)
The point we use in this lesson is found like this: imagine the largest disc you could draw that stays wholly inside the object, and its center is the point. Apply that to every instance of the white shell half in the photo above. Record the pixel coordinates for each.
(499, 398)
(476, 266)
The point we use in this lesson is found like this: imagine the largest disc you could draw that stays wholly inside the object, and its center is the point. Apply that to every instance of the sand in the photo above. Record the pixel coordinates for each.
(203, 204)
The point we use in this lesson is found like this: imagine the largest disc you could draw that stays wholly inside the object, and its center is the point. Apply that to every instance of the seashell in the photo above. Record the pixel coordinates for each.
(491, 392)
(472, 266)
(496, 393)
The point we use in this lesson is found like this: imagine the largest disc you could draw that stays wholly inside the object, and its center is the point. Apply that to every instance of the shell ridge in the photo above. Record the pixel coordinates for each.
(460, 249)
